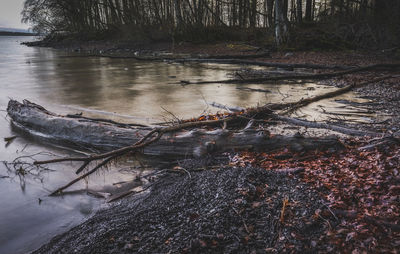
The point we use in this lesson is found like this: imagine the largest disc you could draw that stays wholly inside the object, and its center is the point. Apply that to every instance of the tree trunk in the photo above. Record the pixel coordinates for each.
(253, 14)
(281, 29)
(105, 136)
(309, 9)
(178, 14)
(299, 9)
(285, 8)
(270, 16)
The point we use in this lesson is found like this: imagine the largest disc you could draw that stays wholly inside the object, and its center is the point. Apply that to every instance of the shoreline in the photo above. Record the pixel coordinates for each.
(5, 33)
(220, 204)
(210, 211)
(179, 213)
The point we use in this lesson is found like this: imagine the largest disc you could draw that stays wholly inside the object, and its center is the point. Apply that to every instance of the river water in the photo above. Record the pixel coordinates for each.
(119, 89)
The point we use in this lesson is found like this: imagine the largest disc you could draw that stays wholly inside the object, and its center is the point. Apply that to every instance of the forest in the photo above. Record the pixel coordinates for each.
(366, 23)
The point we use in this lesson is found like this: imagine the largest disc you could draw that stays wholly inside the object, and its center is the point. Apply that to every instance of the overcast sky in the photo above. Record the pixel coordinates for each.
(10, 13)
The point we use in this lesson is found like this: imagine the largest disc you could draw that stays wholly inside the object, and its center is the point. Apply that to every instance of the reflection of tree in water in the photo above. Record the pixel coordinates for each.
(137, 88)
(79, 80)
(63, 79)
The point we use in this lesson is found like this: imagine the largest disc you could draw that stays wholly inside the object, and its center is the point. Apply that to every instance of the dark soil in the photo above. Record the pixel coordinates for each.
(229, 210)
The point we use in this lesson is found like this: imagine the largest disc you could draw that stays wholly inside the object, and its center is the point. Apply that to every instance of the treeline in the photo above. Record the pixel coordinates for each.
(187, 17)
(8, 33)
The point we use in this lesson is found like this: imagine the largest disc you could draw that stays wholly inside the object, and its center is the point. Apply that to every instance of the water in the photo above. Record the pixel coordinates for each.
(119, 89)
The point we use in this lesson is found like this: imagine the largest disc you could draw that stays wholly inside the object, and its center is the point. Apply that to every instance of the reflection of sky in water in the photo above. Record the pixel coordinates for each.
(112, 88)
(143, 89)
(130, 87)
(135, 88)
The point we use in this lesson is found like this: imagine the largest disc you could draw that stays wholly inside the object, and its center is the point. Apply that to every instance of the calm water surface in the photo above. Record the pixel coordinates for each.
(119, 89)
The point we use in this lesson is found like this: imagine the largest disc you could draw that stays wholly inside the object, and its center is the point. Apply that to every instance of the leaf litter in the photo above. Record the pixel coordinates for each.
(361, 189)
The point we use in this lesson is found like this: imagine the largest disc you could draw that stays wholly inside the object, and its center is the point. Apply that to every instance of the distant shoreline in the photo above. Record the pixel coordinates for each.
(5, 33)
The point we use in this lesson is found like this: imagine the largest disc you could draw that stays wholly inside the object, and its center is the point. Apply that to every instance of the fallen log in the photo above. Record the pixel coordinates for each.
(168, 141)
(319, 76)
(304, 102)
(106, 137)
(235, 60)
(340, 129)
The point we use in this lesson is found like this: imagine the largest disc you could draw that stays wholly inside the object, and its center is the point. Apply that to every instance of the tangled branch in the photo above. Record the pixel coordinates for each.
(153, 136)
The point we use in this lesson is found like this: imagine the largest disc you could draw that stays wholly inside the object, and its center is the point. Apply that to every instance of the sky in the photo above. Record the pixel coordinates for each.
(10, 14)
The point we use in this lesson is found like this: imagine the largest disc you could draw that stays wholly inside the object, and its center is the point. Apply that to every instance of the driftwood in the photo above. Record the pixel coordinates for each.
(292, 106)
(253, 89)
(225, 107)
(304, 102)
(340, 129)
(299, 122)
(318, 76)
(163, 141)
(235, 60)
(103, 136)
(175, 140)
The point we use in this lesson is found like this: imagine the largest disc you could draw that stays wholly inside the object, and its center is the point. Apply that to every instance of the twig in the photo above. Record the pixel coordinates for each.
(131, 192)
(244, 223)
(158, 172)
(330, 210)
(285, 202)
(120, 151)
(59, 190)
(82, 167)
(172, 114)
(253, 89)
(25, 146)
(231, 109)
(184, 169)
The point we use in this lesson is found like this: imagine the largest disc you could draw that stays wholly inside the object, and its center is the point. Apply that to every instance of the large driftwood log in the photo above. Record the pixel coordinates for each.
(236, 60)
(117, 140)
(318, 76)
(340, 129)
(104, 136)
